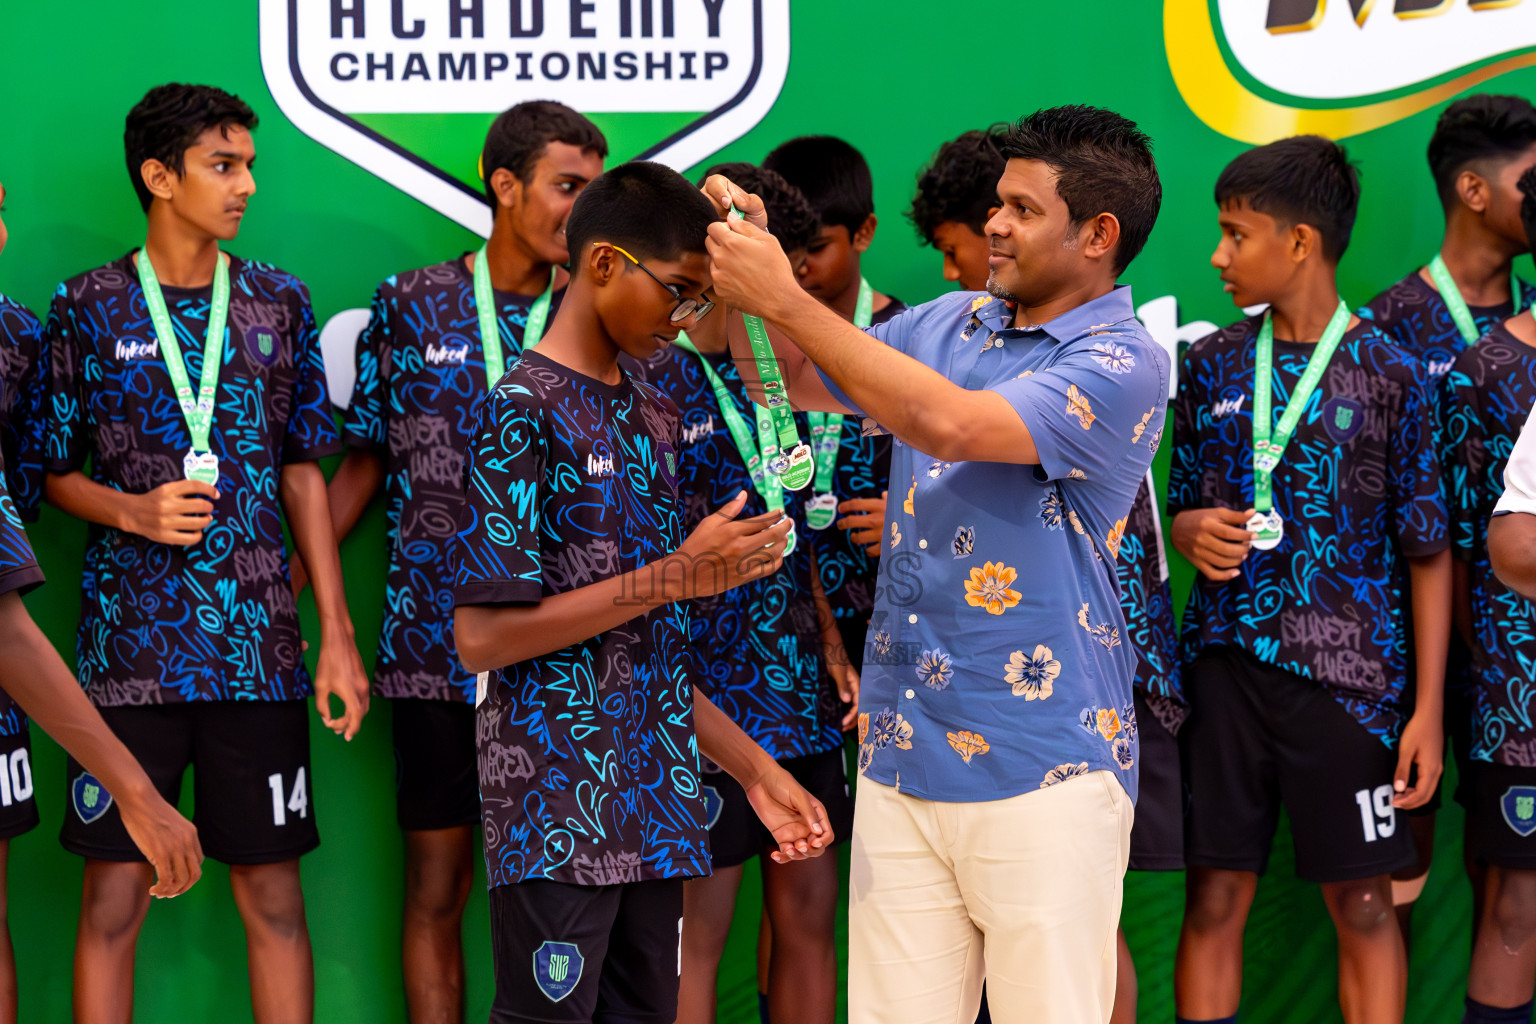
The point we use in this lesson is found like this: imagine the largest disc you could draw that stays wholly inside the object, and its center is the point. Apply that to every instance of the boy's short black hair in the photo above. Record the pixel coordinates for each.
(519, 135)
(790, 217)
(168, 120)
(1528, 205)
(833, 176)
(1103, 164)
(1305, 179)
(648, 208)
(960, 183)
(1478, 129)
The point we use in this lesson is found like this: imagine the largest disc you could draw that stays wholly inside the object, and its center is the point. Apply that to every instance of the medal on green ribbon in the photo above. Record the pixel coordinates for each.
(1451, 296)
(490, 332)
(1269, 443)
(199, 463)
(752, 449)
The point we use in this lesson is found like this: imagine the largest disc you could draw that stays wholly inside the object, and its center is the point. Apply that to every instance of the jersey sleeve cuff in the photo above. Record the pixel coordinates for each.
(314, 452)
(497, 592)
(21, 579)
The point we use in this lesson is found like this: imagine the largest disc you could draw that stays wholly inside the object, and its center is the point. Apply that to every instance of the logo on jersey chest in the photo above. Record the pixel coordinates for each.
(446, 355)
(1519, 807)
(557, 969)
(128, 350)
(693, 433)
(1231, 404)
(1343, 418)
(599, 464)
(261, 343)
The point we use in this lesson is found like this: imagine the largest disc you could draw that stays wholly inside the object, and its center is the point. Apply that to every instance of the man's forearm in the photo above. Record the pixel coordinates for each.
(309, 519)
(722, 741)
(1430, 583)
(84, 498)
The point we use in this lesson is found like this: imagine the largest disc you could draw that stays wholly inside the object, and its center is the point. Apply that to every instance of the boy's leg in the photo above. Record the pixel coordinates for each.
(114, 895)
(1501, 829)
(437, 802)
(644, 961)
(1373, 966)
(708, 906)
(1234, 805)
(18, 815)
(271, 904)
(1157, 837)
(255, 812)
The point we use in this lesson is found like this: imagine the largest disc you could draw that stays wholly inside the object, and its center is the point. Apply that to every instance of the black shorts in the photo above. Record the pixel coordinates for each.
(1259, 737)
(18, 809)
(1501, 821)
(435, 782)
(608, 954)
(736, 835)
(1157, 835)
(251, 780)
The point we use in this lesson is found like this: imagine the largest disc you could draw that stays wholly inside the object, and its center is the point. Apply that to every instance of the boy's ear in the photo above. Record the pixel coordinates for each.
(865, 235)
(1305, 241)
(507, 186)
(157, 178)
(1472, 188)
(603, 263)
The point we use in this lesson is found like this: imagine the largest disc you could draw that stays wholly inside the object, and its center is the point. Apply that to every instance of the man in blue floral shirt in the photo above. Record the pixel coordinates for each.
(998, 769)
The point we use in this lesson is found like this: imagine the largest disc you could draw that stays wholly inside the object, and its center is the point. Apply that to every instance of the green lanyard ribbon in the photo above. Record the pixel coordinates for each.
(756, 452)
(827, 428)
(1451, 296)
(490, 331)
(199, 463)
(1269, 448)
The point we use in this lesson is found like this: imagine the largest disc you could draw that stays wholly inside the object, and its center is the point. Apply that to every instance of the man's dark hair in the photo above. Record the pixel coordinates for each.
(1103, 164)
(790, 217)
(1478, 129)
(960, 183)
(1528, 205)
(833, 176)
(520, 134)
(648, 208)
(1305, 179)
(168, 120)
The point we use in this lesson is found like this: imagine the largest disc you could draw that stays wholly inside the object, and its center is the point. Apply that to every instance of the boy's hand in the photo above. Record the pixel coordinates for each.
(1422, 747)
(796, 819)
(847, 679)
(173, 513)
(725, 193)
(339, 673)
(724, 551)
(1215, 540)
(865, 519)
(167, 840)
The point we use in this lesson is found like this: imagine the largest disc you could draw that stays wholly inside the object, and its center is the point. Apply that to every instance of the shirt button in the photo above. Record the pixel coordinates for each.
(911, 694)
(923, 544)
(912, 618)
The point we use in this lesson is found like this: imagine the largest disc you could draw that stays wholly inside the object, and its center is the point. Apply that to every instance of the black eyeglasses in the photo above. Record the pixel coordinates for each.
(685, 307)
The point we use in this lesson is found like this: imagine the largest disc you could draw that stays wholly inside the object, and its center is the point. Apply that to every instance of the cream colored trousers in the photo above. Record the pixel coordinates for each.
(1024, 892)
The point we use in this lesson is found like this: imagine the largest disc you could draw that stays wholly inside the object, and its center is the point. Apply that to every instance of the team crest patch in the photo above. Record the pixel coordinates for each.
(261, 343)
(1519, 807)
(667, 460)
(1343, 418)
(90, 797)
(713, 805)
(557, 969)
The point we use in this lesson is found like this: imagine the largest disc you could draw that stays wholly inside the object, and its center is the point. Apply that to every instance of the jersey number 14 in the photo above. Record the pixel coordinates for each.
(298, 799)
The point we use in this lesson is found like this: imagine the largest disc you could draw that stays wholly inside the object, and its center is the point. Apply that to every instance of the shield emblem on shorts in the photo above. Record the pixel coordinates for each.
(713, 805)
(90, 799)
(557, 969)
(1519, 807)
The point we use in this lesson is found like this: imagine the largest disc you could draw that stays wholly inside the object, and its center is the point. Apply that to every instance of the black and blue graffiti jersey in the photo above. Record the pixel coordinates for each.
(588, 763)
(420, 377)
(23, 367)
(1147, 602)
(757, 647)
(1359, 491)
(1413, 314)
(18, 572)
(1487, 398)
(162, 623)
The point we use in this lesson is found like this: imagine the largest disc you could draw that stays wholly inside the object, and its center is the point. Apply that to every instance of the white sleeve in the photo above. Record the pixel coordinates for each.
(1520, 475)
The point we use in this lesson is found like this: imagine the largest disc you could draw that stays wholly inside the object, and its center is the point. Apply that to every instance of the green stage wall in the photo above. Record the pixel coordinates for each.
(896, 78)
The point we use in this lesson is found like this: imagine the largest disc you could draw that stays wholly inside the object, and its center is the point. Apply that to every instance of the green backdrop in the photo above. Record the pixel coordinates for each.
(894, 77)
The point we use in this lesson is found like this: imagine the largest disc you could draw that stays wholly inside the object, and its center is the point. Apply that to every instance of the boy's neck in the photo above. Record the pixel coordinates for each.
(1303, 313)
(847, 302)
(1477, 258)
(514, 268)
(577, 340)
(183, 256)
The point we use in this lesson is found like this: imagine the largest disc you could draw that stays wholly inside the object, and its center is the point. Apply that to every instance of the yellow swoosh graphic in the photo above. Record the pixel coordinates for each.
(1216, 96)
